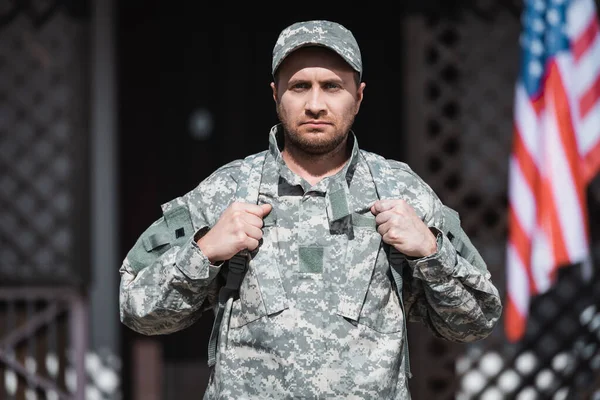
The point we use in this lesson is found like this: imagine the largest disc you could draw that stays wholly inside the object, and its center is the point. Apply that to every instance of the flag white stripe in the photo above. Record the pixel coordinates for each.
(521, 197)
(589, 131)
(542, 259)
(579, 16)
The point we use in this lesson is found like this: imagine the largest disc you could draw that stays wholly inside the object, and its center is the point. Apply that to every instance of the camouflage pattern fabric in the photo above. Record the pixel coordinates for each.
(318, 316)
(318, 33)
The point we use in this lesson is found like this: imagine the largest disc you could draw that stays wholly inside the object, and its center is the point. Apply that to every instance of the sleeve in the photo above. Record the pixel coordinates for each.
(452, 293)
(166, 281)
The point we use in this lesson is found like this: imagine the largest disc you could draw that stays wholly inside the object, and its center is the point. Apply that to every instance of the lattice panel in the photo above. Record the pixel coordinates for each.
(461, 133)
(468, 121)
(42, 143)
(490, 64)
(559, 358)
(435, 128)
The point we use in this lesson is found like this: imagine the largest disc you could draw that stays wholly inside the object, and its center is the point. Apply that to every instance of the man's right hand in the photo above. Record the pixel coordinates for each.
(238, 228)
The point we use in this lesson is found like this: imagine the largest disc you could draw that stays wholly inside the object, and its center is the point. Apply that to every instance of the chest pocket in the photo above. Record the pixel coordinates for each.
(365, 290)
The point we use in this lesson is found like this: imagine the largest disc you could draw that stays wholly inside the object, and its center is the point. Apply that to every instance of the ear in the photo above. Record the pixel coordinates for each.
(359, 96)
(274, 89)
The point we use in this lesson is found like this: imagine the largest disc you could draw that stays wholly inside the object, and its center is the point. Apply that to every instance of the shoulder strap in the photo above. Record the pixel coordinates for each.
(248, 186)
(386, 188)
(249, 178)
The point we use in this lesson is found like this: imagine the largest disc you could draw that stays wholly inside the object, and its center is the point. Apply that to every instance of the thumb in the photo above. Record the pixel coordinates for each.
(266, 208)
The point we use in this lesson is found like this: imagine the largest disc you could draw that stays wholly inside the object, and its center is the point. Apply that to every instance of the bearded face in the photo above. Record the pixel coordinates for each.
(317, 99)
(314, 139)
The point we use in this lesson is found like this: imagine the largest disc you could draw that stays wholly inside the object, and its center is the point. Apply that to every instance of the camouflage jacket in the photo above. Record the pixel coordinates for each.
(317, 314)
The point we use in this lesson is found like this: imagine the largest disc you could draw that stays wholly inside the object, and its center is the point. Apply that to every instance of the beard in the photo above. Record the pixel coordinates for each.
(316, 143)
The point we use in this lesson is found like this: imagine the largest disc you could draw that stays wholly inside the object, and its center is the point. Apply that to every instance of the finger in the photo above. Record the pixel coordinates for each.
(383, 205)
(251, 244)
(253, 220)
(243, 206)
(266, 208)
(374, 210)
(258, 210)
(383, 229)
(384, 217)
(392, 237)
(253, 232)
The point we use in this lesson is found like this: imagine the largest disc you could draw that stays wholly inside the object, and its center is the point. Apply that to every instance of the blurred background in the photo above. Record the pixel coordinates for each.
(109, 109)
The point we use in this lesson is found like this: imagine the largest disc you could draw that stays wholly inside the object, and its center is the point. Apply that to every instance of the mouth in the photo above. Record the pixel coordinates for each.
(316, 124)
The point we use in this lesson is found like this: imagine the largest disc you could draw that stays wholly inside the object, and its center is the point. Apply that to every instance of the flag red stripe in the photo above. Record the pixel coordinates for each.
(525, 160)
(584, 41)
(514, 322)
(591, 163)
(522, 244)
(537, 104)
(550, 222)
(589, 98)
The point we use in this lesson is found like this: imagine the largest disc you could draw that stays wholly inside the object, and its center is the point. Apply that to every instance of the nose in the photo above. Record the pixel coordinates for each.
(315, 104)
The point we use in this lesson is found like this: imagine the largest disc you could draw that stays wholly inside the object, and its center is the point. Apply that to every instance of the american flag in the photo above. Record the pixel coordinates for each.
(556, 150)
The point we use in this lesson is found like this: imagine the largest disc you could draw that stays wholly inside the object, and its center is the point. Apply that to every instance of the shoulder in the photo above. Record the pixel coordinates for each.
(401, 171)
(233, 172)
(217, 189)
(399, 178)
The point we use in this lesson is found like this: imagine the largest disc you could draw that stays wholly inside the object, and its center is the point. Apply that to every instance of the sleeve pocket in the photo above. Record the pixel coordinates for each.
(173, 229)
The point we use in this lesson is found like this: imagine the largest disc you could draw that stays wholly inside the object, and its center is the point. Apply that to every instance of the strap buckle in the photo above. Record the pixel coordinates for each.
(395, 255)
(239, 262)
(237, 266)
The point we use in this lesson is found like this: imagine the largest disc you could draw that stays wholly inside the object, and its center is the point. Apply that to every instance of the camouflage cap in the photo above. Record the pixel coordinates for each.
(318, 33)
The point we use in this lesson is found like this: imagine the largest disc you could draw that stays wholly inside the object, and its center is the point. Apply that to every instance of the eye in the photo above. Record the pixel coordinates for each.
(300, 86)
(332, 86)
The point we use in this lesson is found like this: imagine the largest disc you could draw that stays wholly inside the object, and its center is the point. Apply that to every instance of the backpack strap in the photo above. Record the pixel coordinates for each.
(386, 188)
(248, 186)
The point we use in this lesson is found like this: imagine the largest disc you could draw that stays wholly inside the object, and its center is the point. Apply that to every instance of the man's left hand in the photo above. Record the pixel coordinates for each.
(400, 226)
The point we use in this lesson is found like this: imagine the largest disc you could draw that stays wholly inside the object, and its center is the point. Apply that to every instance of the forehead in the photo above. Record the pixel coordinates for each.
(314, 57)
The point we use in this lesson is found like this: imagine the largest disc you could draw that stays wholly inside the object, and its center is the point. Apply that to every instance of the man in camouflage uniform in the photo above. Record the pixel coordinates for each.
(317, 315)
